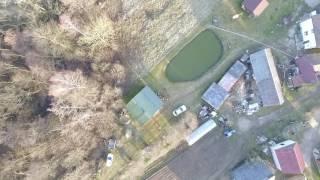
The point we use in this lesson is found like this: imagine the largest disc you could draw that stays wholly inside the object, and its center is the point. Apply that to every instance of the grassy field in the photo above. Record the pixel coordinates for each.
(195, 58)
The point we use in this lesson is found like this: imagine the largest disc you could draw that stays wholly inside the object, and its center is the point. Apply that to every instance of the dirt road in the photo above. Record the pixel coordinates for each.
(311, 136)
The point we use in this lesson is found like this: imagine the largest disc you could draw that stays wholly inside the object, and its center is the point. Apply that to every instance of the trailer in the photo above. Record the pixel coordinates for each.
(201, 131)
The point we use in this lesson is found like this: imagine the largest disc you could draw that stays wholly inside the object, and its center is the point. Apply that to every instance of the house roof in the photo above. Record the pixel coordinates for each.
(215, 95)
(144, 105)
(306, 69)
(310, 31)
(297, 81)
(232, 75)
(316, 28)
(256, 7)
(288, 157)
(252, 171)
(266, 76)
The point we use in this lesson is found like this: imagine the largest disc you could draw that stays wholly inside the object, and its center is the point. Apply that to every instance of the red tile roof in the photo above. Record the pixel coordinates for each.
(290, 159)
(256, 7)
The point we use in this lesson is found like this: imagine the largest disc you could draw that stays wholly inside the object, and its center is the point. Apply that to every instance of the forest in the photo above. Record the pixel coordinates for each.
(62, 73)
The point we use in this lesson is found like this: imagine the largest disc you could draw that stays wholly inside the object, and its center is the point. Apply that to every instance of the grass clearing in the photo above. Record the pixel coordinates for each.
(195, 58)
(154, 130)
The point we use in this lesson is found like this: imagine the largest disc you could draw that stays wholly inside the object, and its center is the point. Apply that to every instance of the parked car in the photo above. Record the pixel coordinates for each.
(109, 160)
(112, 143)
(229, 132)
(179, 110)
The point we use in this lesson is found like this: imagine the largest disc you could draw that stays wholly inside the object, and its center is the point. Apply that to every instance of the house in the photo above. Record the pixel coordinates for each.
(288, 158)
(310, 31)
(266, 76)
(144, 106)
(215, 95)
(253, 171)
(255, 7)
(308, 70)
(232, 76)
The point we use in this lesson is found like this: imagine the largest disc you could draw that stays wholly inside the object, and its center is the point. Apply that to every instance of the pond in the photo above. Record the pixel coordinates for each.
(195, 58)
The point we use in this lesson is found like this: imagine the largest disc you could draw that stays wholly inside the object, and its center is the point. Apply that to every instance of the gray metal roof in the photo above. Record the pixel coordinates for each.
(232, 75)
(252, 171)
(266, 76)
(215, 95)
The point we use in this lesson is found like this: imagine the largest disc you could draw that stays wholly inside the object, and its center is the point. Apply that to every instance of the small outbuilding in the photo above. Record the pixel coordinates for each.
(253, 171)
(232, 76)
(200, 132)
(145, 105)
(288, 157)
(215, 95)
(255, 7)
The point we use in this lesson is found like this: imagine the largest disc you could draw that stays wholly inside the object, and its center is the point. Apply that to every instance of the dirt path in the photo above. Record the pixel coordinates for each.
(244, 124)
(250, 39)
(311, 136)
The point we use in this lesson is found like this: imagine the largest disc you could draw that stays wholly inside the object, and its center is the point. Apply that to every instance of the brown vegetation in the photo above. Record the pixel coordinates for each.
(60, 87)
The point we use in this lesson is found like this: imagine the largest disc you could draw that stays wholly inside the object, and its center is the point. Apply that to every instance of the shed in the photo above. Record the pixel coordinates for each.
(255, 7)
(267, 78)
(232, 76)
(201, 131)
(215, 95)
(144, 106)
(253, 171)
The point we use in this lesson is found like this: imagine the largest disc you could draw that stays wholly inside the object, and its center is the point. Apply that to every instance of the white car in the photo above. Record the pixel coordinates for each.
(229, 133)
(109, 160)
(179, 110)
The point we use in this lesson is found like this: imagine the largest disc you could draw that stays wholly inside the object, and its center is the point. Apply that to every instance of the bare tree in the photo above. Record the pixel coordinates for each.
(99, 35)
(17, 87)
(53, 40)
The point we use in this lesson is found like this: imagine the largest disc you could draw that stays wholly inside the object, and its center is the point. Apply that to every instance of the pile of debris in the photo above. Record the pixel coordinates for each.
(206, 113)
(250, 102)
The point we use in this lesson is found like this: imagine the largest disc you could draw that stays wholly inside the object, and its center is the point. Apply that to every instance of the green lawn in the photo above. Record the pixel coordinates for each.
(195, 58)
